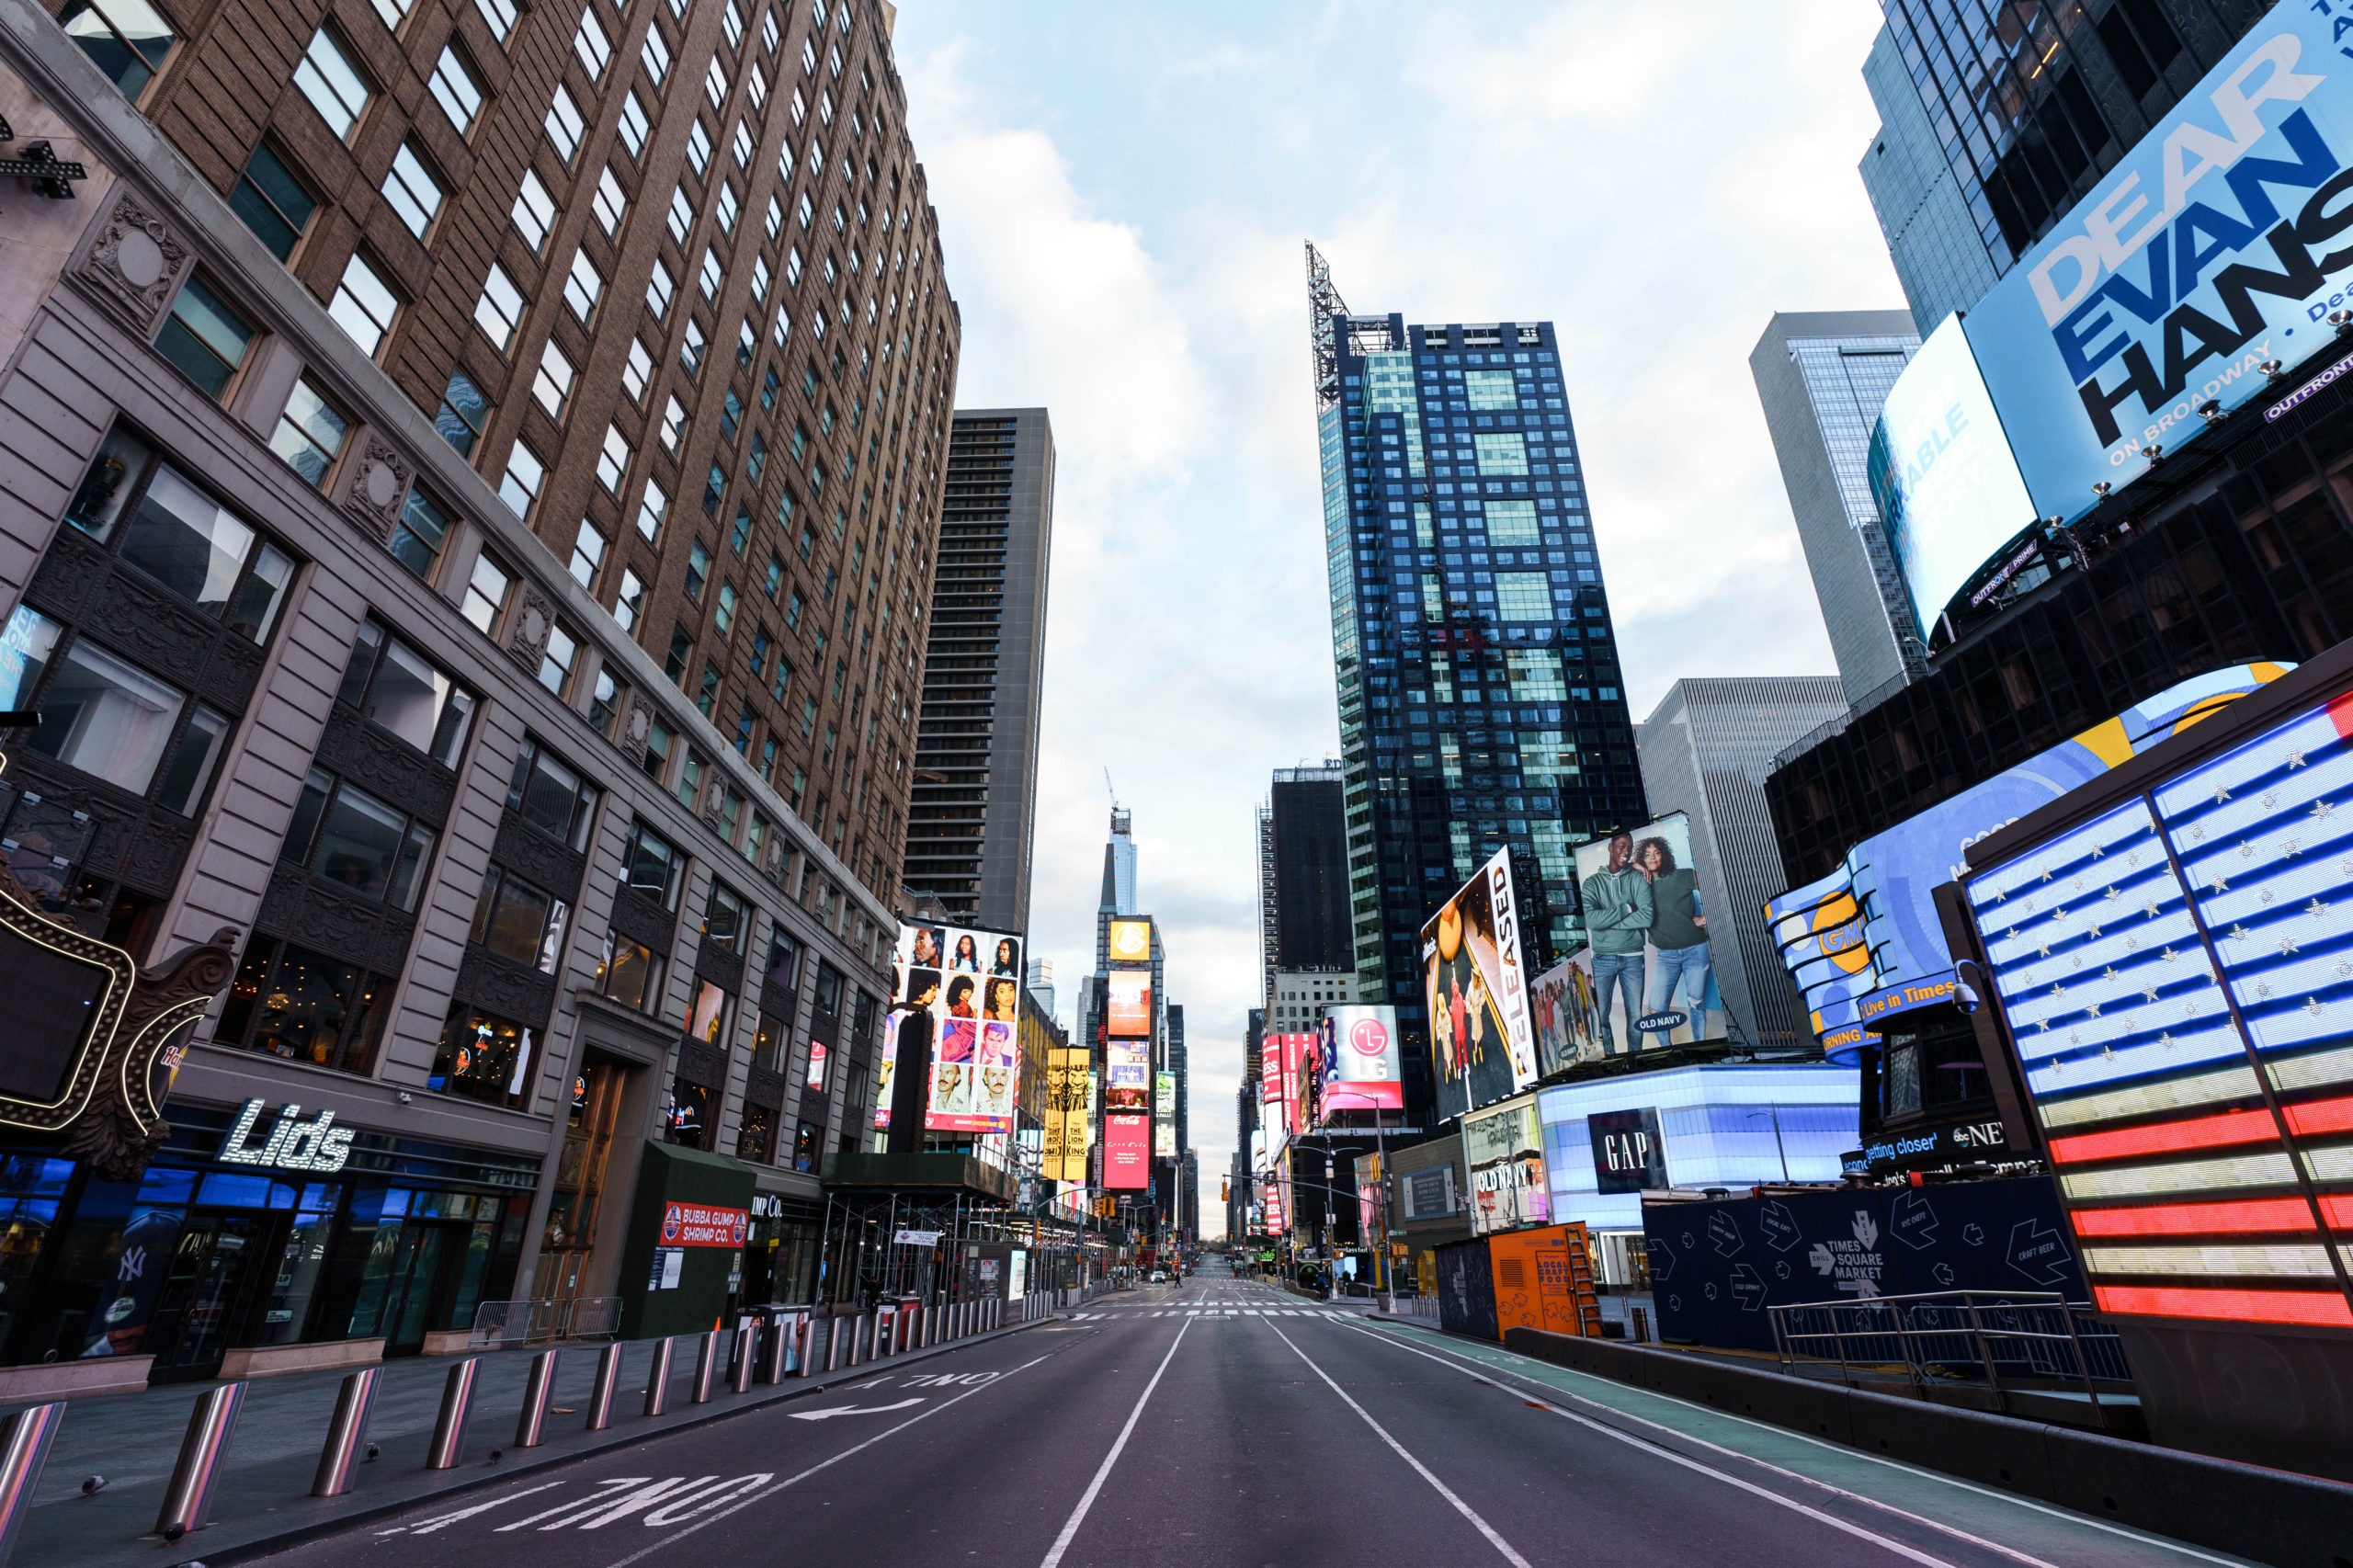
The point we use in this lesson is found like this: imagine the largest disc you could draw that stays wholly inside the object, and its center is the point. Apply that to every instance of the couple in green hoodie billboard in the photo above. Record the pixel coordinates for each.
(1648, 935)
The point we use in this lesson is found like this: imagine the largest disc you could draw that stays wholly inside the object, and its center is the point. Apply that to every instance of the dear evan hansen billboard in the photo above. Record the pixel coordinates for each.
(2218, 241)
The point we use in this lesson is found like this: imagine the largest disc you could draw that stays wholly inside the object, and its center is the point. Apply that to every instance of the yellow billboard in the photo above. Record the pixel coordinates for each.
(1130, 941)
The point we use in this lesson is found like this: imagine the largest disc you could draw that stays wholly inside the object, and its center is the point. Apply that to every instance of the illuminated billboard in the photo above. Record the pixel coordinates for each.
(1164, 1115)
(1647, 930)
(1130, 1012)
(2176, 973)
(1358, 1059)
(1129, 941)
(1564, 1014)
(1127, 1152)
(2214, 245)
(1127, 1071)
(1866, 942)
(1475, 980)
(956, 1001)
(1504, 1151)
(1948, 489)
(1064, 1149)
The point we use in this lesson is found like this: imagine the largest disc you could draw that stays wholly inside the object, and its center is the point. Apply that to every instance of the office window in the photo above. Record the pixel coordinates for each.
(1502, 453)
(332, 83)
(690, 777)
(368, 848)
(588, 555)
(714, 490)
(611, 203)
(487, 592)
(582, 286)
(204, 339)
(518, 921)
(637, 372)
(707, 694)
(1490, 389)
(776, 575)
(659, 746)
(711, 273)
(1523, 596)
(1535, 674)
(792, 265)
(463, 412)
(310, 433)
(291, 1003)
(698, 569)
(534, 211)
(714, 85)
(743, 144)
(631, 603)
(482, 1056)
(760, 279)
(630, 973)
(612, 461)
(651, 864)
(456, 88)
(364, 304)
(274, 204)
(500, 15)
(564, 126)
(129, 39)
(690, 348)
(412, 190)
(682, 216)
(674, 424)
(604, 704)
(699, 149)
(656, 54)
(728, 208)
(500, 310)
(726, 919)
(651, 509)
(591, 45)
(525, 473)
(418, 538)
(563, 652)
(552, 386)
(722, 617)
(659, 287)
(1512, 523)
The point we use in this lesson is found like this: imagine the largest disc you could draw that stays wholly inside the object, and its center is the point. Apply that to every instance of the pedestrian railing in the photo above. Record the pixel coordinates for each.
(2007, 1343)
(505, 1325)
(1416, 1306)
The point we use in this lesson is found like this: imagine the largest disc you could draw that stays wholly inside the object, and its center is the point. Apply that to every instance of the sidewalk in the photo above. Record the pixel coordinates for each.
(264, 1492)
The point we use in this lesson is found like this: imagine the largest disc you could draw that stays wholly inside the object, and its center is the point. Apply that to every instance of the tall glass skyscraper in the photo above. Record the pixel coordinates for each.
(1481, 702)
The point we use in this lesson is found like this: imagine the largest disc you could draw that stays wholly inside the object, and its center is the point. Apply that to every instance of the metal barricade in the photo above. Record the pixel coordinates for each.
(25, 1438)
(537, 1390)
(506, 1325)
(346, 1431)
(608, 1379)
(197, 1470)
(450, 1424)
(2007, 1343)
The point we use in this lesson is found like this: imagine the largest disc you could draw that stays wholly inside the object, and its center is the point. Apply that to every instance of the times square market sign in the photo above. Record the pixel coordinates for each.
(2221, 243)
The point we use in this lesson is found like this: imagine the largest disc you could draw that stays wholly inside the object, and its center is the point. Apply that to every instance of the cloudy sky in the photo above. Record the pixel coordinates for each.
(1123, 190)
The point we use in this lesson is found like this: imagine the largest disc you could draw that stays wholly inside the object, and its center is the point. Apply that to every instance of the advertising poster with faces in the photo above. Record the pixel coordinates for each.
(959, 991)
(1646, 925)
(1475, 984)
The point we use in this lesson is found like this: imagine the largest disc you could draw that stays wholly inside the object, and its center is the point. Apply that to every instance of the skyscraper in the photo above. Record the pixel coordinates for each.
(1822, 376)
(2025, 107)
(1481, 703)
(1308, 823)
(1706, 749)
(975, 808)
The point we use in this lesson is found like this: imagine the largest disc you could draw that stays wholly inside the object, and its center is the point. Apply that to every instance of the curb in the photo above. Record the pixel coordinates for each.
(614, 1438)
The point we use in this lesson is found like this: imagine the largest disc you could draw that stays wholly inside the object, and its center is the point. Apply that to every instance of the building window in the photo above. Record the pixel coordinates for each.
(690, 348)
(564, 126)
(687, 1123)
(698, 569)
(699, 149)
(500, 15)
(707, 1015)
(519, 922)
(1523, 596)
(630, 604)
(605, 704)
(364, 306)
(413, 190)
(500, 310)
(332, 83)
(690, 777)
(463, 412)
(405, 695)
(650, 866)
(552, 387)
(1504, 453)
(487, 591)
(674, 424)
(658, 742)
(592, 46)
(534, 211)
(707, 699)
(310, 433)
(204, 339)
(611, 203)
(723, 617)
(418, 538)
(148, 513)
(582, 286)
(637, 372)
(633, 122)
(588, 555)
(556, 661)
(457, 89)
(290, 1002)
(1490, 389)
(549, 795)
(630, 973)
(755, 1137)
(482, 1056)
(274, 204)
(100, 714)
(525, 473)
(367, 848)
(127, 38)
(657, 55)
(659, 287)
(726, 919)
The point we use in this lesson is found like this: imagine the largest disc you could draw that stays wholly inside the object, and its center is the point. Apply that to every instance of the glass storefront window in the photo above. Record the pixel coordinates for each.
(755, 1140)
(688, 1121)
(302, 1006)
(629, 973)
(707, 1021)
(483, 1057)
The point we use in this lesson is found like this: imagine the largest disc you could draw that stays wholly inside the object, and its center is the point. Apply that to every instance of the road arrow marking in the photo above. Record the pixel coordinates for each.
(852, 1409)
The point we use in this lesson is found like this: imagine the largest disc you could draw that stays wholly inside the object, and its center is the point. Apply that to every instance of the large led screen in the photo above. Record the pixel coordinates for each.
(1129, 941)
(1475, 981)
(1504, 1151)
(2176, 976)
(1359, 1062)
(1127, 1152)
(1130, 1006)
(957, 995)
(1127, 1084)
(2216, 243)
(1646, 934)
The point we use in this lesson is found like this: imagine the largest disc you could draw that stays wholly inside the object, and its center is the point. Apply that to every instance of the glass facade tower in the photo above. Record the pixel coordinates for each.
(1480, 699)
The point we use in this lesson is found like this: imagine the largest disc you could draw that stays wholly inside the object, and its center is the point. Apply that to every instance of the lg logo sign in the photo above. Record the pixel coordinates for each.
(1369, 1037)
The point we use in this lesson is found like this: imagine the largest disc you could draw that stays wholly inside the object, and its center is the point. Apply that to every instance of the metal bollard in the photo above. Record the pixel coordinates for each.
(189, 1495)
(747, 1354)
(833, 1343)
(706, 1366)
(608, 1380)
(25, 1437)
(657, 1380)
(804, 1333)
(347, 1432)
(1640, 1324)
(857, 1337)
(449, 1426)
(775, 1346)
(536, 1390)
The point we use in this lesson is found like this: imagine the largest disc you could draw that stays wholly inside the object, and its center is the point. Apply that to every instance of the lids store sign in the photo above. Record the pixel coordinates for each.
(292, 1144)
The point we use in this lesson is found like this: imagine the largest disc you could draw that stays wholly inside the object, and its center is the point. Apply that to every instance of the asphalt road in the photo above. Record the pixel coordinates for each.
(1227, 1423)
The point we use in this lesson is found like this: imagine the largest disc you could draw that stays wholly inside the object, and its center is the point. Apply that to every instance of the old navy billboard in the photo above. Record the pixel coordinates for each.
(2219, 242)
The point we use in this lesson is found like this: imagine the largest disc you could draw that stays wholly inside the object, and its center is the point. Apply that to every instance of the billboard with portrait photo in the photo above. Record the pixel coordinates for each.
(955, 1000)
(1474, 980)
(1561, 1005)
(1647, 931)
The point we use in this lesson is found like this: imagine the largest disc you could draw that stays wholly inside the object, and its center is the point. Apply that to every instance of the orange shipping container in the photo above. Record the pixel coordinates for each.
(1545, 1279)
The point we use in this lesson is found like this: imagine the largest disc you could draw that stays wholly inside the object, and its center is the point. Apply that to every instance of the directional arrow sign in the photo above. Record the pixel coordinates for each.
(2038, 1252)
(852, 1409)
(1748, 1288)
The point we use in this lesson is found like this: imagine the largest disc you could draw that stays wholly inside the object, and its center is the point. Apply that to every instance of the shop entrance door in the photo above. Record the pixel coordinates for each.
(212, 1271)
(424, 1252)
(579, 1188)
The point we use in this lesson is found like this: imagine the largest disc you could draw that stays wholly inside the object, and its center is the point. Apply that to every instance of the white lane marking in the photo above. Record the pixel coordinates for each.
(852, 1409)
(441, 1521)
(1103, 1472)
(1493, 1539)
(767, 1492)
(1842, 1449)
(1888, 1542)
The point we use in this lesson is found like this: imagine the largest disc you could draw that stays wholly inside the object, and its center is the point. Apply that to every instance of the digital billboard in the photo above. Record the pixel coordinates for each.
(1164, 1115)
(1127, 1076)
(1504, 1149)
(1564, 1014)
(1064, 1149)
(1646, 934)
(1475, 980)
(1130, 1012)
(2176, 976)
(1940, 468)
(1129, 941)
(1127, 1152)
(957, 1002)
(1866, 942)
(1357, 1055)
(2208, 249)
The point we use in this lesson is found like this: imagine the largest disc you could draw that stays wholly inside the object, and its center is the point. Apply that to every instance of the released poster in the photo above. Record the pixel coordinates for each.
(1568, 1025)
(957, 993)
(1647, 929)
(1475, 981)
(1504, 1151)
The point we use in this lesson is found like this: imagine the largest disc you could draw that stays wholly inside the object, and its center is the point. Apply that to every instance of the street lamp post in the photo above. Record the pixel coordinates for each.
(1381, 1152)
(1774, 1111)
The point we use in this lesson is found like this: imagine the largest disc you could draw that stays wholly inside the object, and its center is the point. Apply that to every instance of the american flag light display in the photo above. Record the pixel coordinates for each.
(2177, 976)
